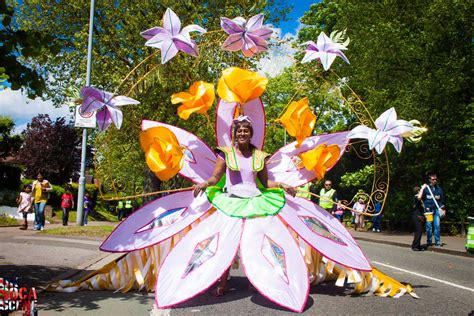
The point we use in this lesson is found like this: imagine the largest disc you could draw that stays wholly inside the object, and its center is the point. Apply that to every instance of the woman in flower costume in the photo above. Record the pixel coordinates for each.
(245, 194)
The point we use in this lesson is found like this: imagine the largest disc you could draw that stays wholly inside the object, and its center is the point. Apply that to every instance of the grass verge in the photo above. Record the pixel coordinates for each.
(6, 220)
(83, 231)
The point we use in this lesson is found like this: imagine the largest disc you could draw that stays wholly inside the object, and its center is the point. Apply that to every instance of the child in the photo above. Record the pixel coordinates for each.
(67, 203)
(87, 207)
(359, 218)
(25, 202)
(339, 212)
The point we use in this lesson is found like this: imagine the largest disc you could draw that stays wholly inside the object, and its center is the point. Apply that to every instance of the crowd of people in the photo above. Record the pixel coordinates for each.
(427, 208)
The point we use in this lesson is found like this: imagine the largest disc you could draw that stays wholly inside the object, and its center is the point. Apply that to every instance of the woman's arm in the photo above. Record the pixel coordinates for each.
(263, 176)
(219, 170)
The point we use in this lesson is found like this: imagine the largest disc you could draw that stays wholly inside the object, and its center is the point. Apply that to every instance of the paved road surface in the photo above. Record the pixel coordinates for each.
(445, 284)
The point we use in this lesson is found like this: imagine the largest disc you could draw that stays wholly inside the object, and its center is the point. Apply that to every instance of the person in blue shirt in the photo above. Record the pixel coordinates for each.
(377, 218)
(433, 200)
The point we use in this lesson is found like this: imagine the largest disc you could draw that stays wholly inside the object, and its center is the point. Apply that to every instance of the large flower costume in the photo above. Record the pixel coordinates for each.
(181, 245)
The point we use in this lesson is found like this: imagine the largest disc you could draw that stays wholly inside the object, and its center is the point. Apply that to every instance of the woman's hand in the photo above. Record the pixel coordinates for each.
(288, 189)
(198, 188)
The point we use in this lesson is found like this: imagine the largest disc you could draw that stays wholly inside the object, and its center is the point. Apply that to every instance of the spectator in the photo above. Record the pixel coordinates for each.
(303, 191)
(433, 200)
(359, 206)
(339, 212)
(67, 203)
(328, 197)
(376, 219)
(40, 193)
(120, 211)
(128, 208)
(87, 207)
(418, 218)
(25, 203)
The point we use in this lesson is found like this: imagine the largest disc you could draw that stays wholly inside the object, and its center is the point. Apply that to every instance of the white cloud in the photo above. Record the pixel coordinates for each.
(280, 54)
(22, 109)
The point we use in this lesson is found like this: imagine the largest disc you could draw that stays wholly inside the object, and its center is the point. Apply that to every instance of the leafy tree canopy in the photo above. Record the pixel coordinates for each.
(9, 143)
(417, 57)
(18, 50)
(50, 147)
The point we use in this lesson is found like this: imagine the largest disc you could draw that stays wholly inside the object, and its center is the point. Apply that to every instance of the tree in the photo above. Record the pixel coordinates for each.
(119, 48)
(18, 46)
(50, 147)
(9, 143)
(415, 56)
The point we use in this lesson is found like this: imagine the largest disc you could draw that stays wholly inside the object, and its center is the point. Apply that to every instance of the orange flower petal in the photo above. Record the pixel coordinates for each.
(299, 120)
(240, 85)
(163, 153)
(199, 99)
(320, 159)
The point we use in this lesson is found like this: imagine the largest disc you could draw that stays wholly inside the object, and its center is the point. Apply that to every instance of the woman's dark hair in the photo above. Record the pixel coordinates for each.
(416, 189)
(26, 186)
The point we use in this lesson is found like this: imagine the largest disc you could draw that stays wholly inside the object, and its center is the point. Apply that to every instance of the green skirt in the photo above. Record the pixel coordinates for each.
(270, 202)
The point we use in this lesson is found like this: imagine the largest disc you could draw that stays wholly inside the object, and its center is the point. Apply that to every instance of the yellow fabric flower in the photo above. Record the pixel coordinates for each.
(320, 159)
(240, 85)
(163, 153)
(298, 120)
(199, 99)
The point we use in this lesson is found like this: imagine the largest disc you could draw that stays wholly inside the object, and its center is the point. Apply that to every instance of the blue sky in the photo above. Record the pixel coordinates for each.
(299, 8)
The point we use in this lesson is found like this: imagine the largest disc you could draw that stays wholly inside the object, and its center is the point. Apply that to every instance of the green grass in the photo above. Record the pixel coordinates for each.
(97, 215)
(84, 231)
(7, 220)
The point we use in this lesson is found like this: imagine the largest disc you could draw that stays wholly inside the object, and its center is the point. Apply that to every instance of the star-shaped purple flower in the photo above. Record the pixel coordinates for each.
(249, 36)
(326, 50)
(105, 104)
(171, 38)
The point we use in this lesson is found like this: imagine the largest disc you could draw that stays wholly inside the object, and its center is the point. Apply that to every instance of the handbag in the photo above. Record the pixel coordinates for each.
(441, 211)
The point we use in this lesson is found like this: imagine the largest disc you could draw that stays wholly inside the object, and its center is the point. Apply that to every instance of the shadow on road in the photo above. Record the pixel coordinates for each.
(32, 275)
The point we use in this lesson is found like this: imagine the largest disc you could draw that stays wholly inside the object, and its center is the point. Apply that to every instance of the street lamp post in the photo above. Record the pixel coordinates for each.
(82, 179)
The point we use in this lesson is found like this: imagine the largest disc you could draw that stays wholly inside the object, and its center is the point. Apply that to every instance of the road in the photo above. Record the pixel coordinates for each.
(445, 284)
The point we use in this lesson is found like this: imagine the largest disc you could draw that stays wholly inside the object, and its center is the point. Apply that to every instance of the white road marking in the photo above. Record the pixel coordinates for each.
(424, 276)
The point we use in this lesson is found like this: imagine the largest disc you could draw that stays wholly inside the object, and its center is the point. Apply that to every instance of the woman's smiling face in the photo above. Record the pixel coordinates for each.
(243, 134)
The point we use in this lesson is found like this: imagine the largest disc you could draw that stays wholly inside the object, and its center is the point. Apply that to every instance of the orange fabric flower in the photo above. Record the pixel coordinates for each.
(299, 120)
(240, 85)
(320, 159)
(199, 99)
(163, 153)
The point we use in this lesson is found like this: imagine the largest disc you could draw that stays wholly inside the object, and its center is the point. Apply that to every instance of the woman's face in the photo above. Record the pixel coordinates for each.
(243, 134)
(39, 178)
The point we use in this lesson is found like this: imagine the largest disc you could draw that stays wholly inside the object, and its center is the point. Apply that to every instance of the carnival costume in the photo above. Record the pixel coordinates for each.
(179, 245)
(182, 245)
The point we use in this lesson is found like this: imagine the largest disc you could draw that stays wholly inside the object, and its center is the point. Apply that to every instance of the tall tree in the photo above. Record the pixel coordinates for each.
(50, 147)
(119, 48)
(415, 56)
(19, 48)
(9, 143)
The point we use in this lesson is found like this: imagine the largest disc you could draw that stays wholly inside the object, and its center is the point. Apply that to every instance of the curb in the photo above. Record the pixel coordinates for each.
(432, 249)
(94, 264)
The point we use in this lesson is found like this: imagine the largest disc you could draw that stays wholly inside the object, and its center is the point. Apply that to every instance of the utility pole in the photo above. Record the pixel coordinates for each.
(82, 178)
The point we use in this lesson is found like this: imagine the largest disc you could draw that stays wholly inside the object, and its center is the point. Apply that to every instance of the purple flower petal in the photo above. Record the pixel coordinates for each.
(192, 28)
(153, 31)
(263, 32)
(386, 118)
(186, 45)
(157, 40)
(103, 119)
(116, 115)
(119, 100)
(234, 42)
(171, 22)
(168, 50)
(259, 42)
(231, 27)
(254, 23)
(90, 104)
(250, 47)
(309, 56)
